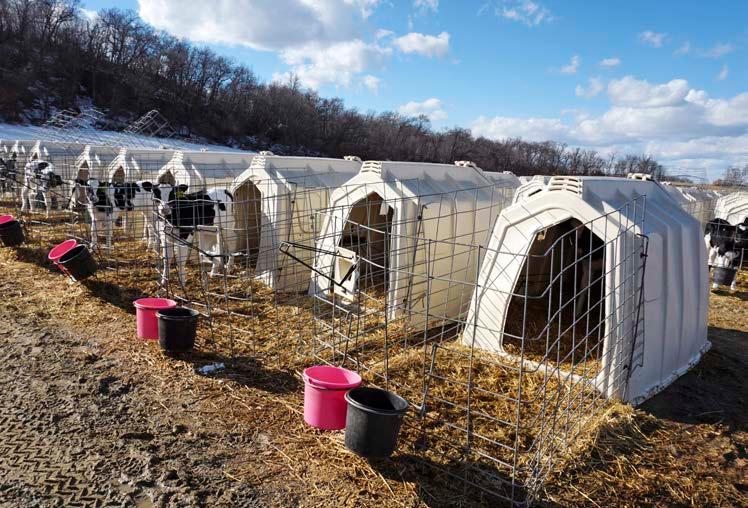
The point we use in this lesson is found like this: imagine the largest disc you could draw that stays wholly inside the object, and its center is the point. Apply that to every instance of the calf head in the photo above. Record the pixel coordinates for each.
(741, 235)
(725, 246)
(168, 197)
(99, 195)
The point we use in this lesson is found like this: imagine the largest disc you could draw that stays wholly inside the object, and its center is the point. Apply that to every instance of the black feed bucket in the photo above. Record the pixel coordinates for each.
(79, 262)
(724, 276)
(11, 233)
(373, 421)
(177, 329)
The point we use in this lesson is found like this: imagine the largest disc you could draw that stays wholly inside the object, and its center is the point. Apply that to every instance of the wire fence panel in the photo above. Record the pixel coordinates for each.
(497, 407)
(505, 373)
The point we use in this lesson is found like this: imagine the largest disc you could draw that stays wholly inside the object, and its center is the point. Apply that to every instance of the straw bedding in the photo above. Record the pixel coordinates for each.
(271, 348)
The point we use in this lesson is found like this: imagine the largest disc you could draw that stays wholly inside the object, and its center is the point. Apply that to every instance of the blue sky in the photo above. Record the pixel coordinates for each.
(666, 78)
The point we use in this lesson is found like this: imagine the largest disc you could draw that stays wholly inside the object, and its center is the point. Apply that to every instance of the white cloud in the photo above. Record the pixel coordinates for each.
(383, 34)
(610, 62)
(573, 65)
(526, 12)
(339, 63)
(89, 14)
(372, 83)
(629, 91)
(594, 87)
(717, 51)
(259, 24)
(426, 45)
(671, 121)
(684, 49)
(532, 129)
(320, 40)
(426, 5)
(723, 73)
(431, 108)
(654, 39)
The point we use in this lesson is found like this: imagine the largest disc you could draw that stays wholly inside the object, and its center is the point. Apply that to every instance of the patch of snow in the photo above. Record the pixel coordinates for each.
(12, 132)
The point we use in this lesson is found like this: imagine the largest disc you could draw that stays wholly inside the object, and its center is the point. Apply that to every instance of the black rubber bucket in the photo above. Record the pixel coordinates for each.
(373, 421)
(79, 262)
(11, 233)
(177, 328)
(723, 276)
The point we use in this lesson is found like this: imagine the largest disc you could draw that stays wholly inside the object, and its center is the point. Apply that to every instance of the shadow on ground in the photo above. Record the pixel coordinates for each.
(714, 391)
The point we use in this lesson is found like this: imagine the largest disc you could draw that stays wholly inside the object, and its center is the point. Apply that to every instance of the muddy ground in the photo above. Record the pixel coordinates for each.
(90, 416)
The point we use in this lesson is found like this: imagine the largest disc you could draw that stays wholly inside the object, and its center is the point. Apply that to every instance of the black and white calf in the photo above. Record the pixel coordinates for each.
(184, 217)
(106, 201)
(38, 177)
(725, 244)
(7, 175)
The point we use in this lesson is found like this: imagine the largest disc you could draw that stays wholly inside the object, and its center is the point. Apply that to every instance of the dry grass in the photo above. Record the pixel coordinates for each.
(625, 456)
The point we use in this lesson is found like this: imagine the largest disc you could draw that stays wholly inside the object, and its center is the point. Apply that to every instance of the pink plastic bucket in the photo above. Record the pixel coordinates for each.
(5, 218)
(325, 387)
(60, 250)
(145, 315)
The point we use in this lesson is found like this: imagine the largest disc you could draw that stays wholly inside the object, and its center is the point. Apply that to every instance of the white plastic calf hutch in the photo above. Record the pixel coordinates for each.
(43, 150)
(559, 287)
(92, 162)
(276, 200)
(732, 207)
(131, 165)
(396, 230)
(201, 169)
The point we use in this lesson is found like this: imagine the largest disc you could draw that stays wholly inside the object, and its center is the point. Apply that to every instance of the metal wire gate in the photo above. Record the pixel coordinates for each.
(499, 404)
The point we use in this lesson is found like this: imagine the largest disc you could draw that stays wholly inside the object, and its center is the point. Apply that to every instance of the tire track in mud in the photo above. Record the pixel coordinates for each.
(74, 432)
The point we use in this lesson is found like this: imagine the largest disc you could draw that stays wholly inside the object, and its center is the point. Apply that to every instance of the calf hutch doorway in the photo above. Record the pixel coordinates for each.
(248, 212)
(557, 308)
(365, 240)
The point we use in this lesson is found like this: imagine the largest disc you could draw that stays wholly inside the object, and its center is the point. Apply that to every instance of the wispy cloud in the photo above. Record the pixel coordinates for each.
(593, 88)
(610, 62)
(526, 12)
(426, 5)
(654, 39)
(717, 51)
(573, 65)
(723, 73)
(684, 49)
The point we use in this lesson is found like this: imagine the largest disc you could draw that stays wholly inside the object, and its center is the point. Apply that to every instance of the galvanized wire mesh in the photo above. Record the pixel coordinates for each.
(496, 406)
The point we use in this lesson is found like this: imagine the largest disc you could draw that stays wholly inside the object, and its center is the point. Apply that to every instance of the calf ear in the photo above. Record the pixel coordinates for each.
(182, 188)
(222, 206)
(147, 186)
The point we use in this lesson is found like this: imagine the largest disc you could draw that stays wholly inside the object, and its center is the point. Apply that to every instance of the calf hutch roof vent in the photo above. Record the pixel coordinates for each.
(565, 183)
(466, 164)
(651, 328)
(640, 176)
(395, 224)
(354, 158)
(372, 167)
(275, 201)
(527, 189)
(732, 207)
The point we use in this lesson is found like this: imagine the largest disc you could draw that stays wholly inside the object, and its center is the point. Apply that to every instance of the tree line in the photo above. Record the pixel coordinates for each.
(53, 56)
